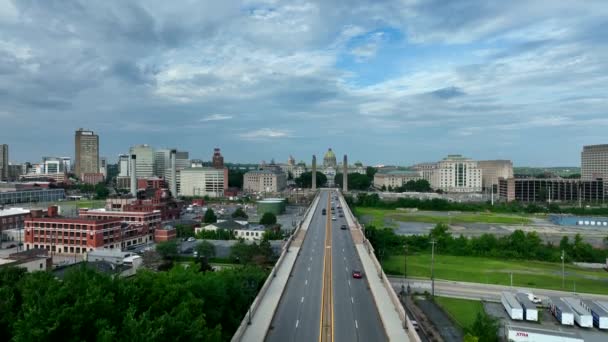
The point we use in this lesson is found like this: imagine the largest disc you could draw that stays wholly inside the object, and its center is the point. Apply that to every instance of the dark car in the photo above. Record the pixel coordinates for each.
(343, 227)
(341, 215)
(357, 274)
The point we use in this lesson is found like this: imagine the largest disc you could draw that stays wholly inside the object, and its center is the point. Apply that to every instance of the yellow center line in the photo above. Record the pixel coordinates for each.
(326, 324)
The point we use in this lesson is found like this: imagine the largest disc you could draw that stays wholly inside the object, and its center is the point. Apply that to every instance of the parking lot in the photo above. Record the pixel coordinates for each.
(546, 321)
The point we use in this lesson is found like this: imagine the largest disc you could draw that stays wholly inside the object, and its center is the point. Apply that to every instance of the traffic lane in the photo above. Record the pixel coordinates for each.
(345, 325)
(367, 318)
(298, 314)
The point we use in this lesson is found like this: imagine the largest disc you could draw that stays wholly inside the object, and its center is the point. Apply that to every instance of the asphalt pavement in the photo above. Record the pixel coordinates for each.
(356, 317)
(297, 317)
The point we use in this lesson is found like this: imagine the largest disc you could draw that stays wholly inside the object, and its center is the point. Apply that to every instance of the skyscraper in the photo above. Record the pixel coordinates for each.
(87, 152)
(3, 162)
(144, 161)
(594, 162)
(123, 165)
(162, 161)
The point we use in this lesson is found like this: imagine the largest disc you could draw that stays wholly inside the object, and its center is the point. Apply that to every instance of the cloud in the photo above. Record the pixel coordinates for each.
(216, 117)
(265, 133)
(394, 71)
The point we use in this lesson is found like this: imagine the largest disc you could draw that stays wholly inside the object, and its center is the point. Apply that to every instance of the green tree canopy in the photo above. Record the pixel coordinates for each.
(209, 216)
(239, 213)
(268, 219)
(167, 249)
(305, 180)
(356, 181)
(205, 249)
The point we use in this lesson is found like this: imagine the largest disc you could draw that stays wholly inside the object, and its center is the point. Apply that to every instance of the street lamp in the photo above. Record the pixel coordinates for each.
(249, 285)
(563, 269)
(404, 267)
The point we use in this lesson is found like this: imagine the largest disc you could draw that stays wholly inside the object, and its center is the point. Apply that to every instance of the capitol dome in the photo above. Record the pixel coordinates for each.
(329, 160)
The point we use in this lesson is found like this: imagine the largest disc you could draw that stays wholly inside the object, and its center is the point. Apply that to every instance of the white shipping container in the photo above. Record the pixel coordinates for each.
(599, 314)
(530, 310)
(561, 311)
(526, 334)
(581, 316)
(512, 306)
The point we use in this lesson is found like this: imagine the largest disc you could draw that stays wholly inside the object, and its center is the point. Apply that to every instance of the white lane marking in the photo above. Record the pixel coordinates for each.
(309, 269)
(306, 282)
(342, 250)
(356, 324)
(302, 301)
(352, 300)
(310, 258)
(344, 258)
(297, 323)
(346, 268)
(348, 282)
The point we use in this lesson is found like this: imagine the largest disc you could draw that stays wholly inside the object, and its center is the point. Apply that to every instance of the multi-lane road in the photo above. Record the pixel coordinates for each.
(353, 314)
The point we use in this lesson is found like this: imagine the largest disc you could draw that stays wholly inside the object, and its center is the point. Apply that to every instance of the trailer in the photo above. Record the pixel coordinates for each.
(528, 334)
(599, 314)
(561, 311)
(512, 306)
(530, 310)
(581, 316)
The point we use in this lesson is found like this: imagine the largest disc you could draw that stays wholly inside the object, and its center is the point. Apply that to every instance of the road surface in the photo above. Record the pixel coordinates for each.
(298, 316)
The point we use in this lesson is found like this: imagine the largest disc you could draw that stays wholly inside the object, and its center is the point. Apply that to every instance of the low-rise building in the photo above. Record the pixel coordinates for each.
(32, 260)
(72, 235)
(165, 234)
(551, 189)
(138, 227)
(267, 180)
(203, 181)
(31, 196)
(92, 178)
(396, 178)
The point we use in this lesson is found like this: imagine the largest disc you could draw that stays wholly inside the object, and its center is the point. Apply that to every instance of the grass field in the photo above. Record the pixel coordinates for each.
(380, 216)
(534, 274)
(91, 204)
(462, 311)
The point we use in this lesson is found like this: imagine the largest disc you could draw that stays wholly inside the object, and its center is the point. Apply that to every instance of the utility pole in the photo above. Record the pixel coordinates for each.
(563, 270)
(404, 266)
(433, 242)
(511, 279)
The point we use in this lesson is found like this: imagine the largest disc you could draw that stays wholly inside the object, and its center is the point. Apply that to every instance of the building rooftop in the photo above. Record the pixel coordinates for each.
(13, 211)
(266, 171)
(399, 173)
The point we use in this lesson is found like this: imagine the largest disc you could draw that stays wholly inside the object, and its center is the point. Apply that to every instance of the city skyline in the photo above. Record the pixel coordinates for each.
(404, 83)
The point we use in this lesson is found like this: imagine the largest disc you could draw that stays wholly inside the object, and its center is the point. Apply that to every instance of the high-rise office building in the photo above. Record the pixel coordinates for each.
(3, 162)
(87, 152)
(144, 162)
(594, 162)
(162, 162)
(492, 170)
(123, 165)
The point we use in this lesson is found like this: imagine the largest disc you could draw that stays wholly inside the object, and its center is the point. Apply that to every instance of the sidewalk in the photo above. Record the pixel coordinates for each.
(260, 322)
(388, 314)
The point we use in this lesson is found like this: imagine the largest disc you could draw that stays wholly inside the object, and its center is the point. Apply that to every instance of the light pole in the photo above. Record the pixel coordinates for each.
(404, 266)
(249, 286)
(433, 242)
(563, 270)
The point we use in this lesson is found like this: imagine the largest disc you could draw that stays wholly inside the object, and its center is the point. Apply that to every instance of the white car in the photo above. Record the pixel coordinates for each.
(190, 239)
(333, 218)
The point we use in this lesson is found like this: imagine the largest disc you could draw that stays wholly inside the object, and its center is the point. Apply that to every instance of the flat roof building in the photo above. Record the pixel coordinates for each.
(268, 180)
(594, 162)
(551, 189)
(87, 152)
(395, 179)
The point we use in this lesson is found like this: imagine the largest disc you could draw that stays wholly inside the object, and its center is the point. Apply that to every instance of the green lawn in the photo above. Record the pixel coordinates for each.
(379, 216)
(535, 274)
(462, 311)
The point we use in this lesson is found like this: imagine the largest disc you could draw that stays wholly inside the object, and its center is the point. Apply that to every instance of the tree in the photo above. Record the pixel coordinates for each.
(485, 328)
(268, 219)
(205, 249)
(356, 181)
(305, 180)
(235, 178)
(370, 171)
(184, 230)
(167, 249)
(209, 216)
(239, 213)
(101, 191)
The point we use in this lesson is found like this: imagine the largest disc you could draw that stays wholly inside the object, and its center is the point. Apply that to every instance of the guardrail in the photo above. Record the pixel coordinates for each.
(238, 335)
(407, 323)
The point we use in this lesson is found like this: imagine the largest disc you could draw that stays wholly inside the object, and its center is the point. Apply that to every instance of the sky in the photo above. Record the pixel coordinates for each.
(384, 81)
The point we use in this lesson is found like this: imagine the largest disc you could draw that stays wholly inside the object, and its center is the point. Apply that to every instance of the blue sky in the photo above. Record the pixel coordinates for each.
(388, 82)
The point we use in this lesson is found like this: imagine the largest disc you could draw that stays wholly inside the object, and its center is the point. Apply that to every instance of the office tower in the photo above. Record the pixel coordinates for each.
(456, 173)
(162, 161)
(87, 152)
(144, 160)
(594, 162)
(3, 162)
(123, 165)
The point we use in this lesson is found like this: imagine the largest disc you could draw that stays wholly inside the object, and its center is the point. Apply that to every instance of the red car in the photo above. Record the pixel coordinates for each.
(357, 274)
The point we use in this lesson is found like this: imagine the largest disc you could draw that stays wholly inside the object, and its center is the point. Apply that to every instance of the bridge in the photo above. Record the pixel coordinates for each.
(311, 294)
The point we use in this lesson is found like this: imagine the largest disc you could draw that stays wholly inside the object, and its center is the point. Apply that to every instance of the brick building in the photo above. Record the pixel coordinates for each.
(138, 226)
(92, 178)
(72, 235)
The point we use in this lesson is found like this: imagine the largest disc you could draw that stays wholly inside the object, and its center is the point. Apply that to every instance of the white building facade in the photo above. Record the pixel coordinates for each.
(456, 173)
(202, 181)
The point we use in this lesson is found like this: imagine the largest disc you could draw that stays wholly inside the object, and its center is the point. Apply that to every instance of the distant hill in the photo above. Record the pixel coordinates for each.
(560, 171)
